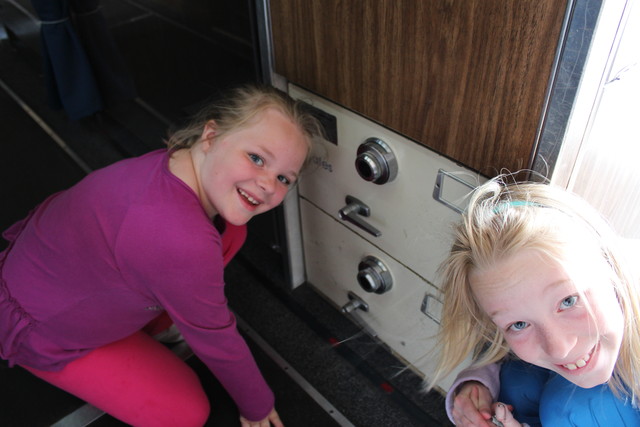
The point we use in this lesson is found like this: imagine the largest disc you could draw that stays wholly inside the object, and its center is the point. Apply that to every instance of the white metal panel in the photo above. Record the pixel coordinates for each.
(332, 254)
(416, 229)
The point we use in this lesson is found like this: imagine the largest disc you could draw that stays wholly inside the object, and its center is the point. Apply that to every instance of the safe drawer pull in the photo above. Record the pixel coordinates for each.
(463, 190)
(432, 307)
(353, 212)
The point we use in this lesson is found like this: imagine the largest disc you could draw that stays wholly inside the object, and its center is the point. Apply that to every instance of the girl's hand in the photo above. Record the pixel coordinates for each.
(273, 419)
(472, 405)
(503, 415)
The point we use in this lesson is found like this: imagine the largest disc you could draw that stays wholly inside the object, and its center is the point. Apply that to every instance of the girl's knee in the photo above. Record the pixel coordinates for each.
(198, 412)
(190, 409)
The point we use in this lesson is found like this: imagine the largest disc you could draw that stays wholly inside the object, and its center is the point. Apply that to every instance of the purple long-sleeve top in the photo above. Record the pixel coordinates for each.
(95, 263)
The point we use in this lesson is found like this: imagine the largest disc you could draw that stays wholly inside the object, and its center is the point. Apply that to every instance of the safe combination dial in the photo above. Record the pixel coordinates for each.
(375, 162)
(374, 276)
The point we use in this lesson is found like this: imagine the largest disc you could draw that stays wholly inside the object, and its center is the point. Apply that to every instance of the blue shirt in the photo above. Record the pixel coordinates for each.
(542, 397)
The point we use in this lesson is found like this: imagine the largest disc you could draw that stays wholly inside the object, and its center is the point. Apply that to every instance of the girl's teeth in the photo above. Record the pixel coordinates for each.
(249, 198)
(579, 363)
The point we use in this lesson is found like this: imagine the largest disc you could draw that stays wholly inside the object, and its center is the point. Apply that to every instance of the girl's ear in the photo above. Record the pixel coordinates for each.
(208, 133)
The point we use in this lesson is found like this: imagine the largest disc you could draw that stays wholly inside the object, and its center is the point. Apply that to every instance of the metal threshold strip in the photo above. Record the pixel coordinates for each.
(36, 118)
(87, 414)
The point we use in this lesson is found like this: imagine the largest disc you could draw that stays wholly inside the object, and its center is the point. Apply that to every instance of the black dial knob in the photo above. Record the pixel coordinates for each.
(375, 162)
(374, 276)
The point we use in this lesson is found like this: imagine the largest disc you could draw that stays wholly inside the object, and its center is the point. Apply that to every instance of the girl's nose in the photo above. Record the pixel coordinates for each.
(557, 342)
(267, 182)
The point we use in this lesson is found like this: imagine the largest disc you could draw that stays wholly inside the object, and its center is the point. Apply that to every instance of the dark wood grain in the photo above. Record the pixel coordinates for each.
(466, 78)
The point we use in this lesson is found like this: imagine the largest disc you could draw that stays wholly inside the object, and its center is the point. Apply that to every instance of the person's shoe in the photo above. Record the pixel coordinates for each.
(171, 335)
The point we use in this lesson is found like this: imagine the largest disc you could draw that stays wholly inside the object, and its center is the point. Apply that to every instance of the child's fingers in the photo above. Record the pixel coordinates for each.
(479, 396)
(474, 395)
(465, 413)
(484, 401)
(504, 416)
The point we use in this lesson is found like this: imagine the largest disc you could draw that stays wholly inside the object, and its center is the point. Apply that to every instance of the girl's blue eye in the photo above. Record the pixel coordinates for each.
(568, 302)
(518, 326)
(283, 179)
(256, 159)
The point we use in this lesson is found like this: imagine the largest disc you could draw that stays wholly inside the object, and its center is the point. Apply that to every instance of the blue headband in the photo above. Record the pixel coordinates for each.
(514, 204)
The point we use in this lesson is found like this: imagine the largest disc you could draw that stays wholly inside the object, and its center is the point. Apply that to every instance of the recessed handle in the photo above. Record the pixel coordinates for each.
(463, 187)
(353, 213)
(432, 307)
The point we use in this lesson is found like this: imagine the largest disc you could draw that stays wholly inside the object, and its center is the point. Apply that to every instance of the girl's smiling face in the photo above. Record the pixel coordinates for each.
(249, 171)
(550, 322)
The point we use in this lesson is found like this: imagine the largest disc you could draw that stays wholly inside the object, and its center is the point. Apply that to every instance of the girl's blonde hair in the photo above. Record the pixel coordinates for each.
(236, 110)
(502, 219)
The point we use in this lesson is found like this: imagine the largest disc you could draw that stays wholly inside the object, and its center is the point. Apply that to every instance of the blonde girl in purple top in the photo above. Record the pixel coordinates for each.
(144, 241)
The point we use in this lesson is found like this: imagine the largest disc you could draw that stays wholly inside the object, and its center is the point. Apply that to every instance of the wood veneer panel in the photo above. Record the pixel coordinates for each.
(467, 78)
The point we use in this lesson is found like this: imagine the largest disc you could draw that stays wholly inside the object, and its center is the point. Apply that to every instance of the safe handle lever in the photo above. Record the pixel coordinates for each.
(353, 213)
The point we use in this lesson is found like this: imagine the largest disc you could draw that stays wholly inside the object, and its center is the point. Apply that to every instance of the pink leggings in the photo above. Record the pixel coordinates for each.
(137, 379)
